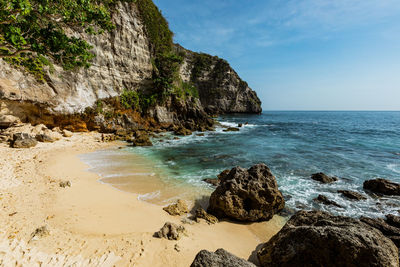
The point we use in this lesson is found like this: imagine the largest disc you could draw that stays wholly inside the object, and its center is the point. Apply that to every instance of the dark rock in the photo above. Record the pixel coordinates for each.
(200, 134)
(352, 195)
(170, 231)
(142, 140)
(44, 138)
(212, 181)
(382, 186)
(315, 238)
(231, 129)
(23, 140)
(393, 220)
(182, 131)
(323, 178)
(389, 231)
(219, 258)
(177, 209)
(324, 200)
(247, 195)
(202, 214)
(240, 125)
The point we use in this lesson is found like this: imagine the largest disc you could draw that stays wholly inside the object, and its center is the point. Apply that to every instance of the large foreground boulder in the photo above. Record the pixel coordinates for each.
(316, 238)
(23, 140)
(219, 258)
(386, 227)
(382, 186)
(247, 195)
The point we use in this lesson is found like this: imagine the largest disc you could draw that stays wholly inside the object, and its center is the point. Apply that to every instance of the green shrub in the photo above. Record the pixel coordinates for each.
(130, 100)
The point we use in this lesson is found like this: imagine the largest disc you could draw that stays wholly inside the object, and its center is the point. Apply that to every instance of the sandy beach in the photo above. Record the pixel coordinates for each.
(92, 223)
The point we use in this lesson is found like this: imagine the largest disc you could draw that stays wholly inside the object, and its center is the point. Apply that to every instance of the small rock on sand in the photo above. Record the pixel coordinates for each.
(177, 209)
(170, 231)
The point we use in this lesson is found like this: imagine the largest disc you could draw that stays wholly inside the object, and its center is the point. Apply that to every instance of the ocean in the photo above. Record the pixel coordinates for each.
(353, 146)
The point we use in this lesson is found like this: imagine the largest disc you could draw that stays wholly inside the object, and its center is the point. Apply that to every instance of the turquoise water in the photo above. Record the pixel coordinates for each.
(354, 146)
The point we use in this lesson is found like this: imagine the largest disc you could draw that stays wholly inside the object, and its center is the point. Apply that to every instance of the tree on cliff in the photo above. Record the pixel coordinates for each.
(32, 31)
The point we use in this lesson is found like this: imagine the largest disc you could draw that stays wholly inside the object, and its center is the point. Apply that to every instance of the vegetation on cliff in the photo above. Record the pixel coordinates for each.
(33, 32)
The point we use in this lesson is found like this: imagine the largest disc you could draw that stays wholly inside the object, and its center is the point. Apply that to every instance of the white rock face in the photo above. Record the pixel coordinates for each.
(122, 62)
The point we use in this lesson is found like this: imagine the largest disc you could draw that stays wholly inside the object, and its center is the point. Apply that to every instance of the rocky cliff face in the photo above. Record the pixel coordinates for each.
(221, 90)
(123, 61)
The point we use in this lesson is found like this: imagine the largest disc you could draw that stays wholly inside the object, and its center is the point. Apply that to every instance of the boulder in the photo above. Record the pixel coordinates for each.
(142, 140)
(8, 121)
(246, 195)
(107, 137)
(324, 200)
(177, 209)
(219, 258)
(231, 129)
(352, 195)
(212, 181)
(171, 231)
(182, 131)
(67, 133)
(44, 138)
(323, 178)
(53, 135)
(202, 214)
(388, 230)
(382, 186)
(23, 140)
(39, 129)
(315, 238)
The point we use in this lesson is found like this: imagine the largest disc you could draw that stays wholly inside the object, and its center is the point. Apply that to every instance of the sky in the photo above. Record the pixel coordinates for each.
(300, 54)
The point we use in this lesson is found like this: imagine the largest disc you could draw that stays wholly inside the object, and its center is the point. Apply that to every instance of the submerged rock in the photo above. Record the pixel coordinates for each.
(323, 178)
(23, 140)
(231, 129)
(219, 258)
(170, 231)
(324, 200)
(352, 195)
(202, 214)
(315, 238)
(247, 195)
(177, 209)
(382, 186)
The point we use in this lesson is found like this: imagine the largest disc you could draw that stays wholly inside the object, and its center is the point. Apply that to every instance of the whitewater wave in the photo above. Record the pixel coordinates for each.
(149, 196)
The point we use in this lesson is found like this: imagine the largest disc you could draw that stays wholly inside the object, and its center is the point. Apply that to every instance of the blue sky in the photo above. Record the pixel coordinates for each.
(300, 54)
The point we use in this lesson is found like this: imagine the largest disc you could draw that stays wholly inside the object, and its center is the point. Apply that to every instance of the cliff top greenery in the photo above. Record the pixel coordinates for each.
(35, 29)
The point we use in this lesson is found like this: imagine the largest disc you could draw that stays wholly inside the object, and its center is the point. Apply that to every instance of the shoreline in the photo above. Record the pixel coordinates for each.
(92, 223)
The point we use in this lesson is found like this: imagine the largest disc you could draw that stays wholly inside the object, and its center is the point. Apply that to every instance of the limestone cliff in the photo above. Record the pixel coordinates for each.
(221, 90)
(124, 62)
